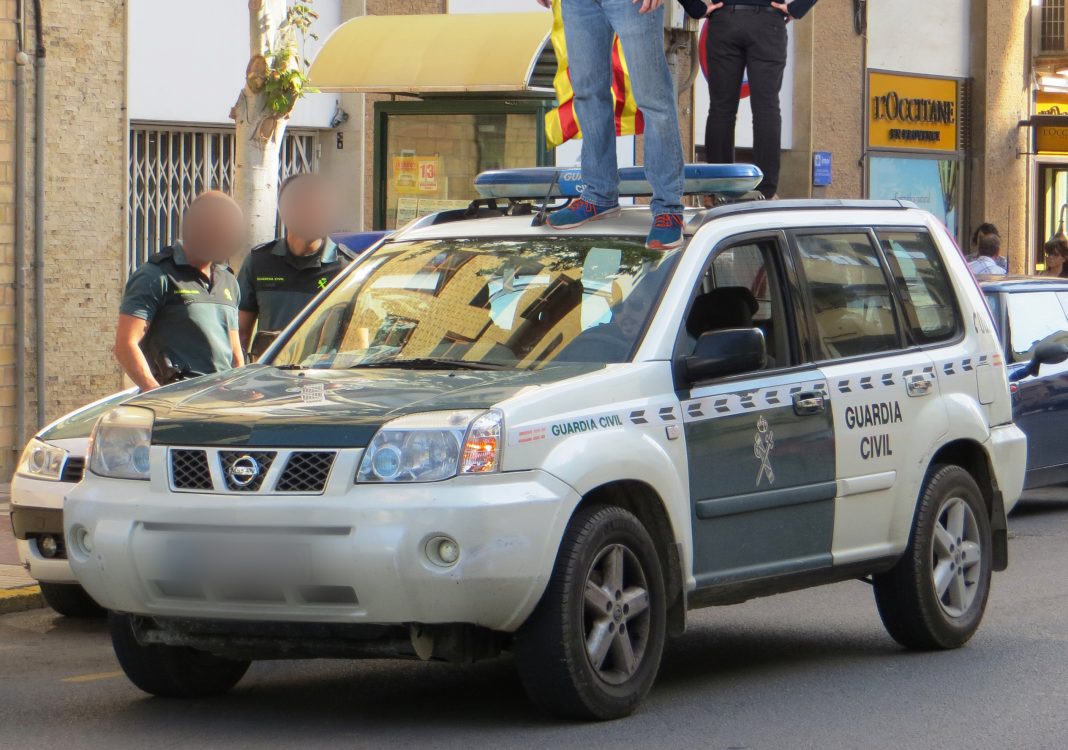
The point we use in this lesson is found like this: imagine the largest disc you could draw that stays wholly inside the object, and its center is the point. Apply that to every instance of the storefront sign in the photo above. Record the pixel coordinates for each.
(913, 113)
(822, 167)
(1051, 103)
(1050, 134)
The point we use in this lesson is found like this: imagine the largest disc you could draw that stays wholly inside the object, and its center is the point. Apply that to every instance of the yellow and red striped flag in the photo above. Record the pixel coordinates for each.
(561, 125)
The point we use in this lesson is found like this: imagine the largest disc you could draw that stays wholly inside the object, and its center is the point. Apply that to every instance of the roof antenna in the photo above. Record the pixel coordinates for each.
(543, 213)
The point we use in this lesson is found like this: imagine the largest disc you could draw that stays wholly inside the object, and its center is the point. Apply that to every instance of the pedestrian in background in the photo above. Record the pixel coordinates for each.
(746, 35)
(1056, 254)
(984, 229)
(589, 27)
(989, 248)
(279, 278)
(178, 315)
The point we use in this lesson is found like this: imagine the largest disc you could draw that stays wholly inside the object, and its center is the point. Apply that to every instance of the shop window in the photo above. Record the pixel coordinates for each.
(851, 301)
(929, 304)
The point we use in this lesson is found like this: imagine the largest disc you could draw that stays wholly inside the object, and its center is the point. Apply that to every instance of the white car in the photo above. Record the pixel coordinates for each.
(428, 466)
(51, 464)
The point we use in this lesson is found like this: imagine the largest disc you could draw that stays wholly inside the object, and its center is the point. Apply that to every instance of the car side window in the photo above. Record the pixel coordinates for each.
(1034, 318)
(852, 304)
(740, 289)
(929, 305)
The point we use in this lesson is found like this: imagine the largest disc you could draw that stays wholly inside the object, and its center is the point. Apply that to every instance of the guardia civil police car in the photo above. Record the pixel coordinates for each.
(490, 436)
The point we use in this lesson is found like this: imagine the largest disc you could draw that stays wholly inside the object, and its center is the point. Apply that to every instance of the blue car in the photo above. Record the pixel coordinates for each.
(1032, 318)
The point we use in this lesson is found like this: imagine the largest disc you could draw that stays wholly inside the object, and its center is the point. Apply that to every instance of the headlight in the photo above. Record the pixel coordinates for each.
(120, 442)
(41, 460)
(433, 446)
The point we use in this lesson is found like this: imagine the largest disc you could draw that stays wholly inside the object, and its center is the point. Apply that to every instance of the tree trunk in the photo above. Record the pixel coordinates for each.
(260, 133)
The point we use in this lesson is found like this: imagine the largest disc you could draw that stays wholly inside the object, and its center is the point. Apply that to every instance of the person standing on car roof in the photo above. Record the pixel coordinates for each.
(589, 26)
(178, 315)
(280, 277)
(746, 36)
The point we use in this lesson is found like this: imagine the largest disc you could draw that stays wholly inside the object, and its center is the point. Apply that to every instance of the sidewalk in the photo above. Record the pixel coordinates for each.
(17, 590)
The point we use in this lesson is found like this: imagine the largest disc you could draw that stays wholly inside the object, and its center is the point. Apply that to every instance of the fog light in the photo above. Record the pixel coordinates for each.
(47, 546)
(443, 551)
(81, 540)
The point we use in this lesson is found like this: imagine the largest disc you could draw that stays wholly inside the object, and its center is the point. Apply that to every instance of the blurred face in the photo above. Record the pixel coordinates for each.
(213, 229)
(308, 208)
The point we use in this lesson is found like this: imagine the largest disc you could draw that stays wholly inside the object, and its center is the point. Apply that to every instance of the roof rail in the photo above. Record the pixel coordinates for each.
(807, 204)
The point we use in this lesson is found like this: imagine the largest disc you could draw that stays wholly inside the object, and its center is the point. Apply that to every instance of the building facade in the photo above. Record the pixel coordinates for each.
(931, 101)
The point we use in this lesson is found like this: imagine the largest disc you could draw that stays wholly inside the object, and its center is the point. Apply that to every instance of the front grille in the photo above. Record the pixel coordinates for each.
(189, 470)
(262, 460)
(73, 470)
(306, 471)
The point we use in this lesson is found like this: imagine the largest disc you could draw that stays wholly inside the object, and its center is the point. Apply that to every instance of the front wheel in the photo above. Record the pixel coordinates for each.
(935, 597)
(592, 648)
(171, 671)
(70, 600)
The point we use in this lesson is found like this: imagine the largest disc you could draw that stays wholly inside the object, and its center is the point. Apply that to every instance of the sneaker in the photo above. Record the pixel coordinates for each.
(578, 212)
(666, 233)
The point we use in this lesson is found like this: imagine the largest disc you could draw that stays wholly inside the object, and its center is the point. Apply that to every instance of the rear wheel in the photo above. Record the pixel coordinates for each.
(70, 600)
(592, 648)
(935, 597)
(171, 671)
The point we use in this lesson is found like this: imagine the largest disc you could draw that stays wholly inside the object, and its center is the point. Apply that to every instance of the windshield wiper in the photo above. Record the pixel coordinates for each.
(290, 367)
(430, 363)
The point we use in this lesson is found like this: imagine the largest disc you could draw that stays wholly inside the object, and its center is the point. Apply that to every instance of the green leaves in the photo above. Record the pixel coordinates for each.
(286, 78)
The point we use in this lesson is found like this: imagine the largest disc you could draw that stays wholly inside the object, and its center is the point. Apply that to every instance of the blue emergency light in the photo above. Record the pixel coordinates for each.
(732, 180)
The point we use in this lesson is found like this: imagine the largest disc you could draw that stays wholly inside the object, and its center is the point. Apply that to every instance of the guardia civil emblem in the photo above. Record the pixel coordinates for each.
(763, 443)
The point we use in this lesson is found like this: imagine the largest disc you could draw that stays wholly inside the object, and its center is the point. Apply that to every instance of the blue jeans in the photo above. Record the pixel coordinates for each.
(588, 28)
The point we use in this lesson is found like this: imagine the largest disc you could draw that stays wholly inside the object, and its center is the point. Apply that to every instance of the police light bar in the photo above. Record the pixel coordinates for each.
(561, 182)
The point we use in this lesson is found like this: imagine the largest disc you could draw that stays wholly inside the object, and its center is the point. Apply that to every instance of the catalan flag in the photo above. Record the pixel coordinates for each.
(561, 125)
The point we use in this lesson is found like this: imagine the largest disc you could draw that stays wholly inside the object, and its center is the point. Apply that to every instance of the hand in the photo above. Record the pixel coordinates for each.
(647, 5)
(782, 8)
(545, 3)
(713, 7)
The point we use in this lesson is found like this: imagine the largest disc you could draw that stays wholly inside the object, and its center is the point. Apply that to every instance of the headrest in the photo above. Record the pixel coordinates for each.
(725, 307)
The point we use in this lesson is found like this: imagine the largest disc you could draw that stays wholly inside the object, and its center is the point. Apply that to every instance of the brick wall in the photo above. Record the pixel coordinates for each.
(84, 204)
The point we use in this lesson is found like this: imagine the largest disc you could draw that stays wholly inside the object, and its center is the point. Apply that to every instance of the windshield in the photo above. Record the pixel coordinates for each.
(485, 304)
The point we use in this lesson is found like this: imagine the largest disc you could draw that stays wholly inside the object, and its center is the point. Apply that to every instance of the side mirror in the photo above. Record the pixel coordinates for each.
(726, 352)
(1047, 353)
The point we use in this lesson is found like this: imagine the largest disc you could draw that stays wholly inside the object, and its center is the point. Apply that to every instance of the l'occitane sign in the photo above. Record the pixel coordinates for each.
(913, 112)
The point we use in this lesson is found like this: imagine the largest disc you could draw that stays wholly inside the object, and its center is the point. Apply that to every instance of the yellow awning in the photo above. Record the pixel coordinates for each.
(436, 54)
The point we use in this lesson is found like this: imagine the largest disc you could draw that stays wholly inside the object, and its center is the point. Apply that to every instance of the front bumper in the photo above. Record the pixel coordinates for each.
(37, 507)
(367, 542)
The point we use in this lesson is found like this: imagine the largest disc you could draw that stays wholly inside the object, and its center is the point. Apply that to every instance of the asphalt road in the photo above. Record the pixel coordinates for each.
(813, 669)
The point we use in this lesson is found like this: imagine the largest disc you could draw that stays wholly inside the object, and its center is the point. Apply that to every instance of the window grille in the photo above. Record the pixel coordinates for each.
(1053, 16)
(170, 166)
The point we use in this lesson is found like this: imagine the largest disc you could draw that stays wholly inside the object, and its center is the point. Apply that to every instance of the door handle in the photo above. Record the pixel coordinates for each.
(808, 403)
(919, 386)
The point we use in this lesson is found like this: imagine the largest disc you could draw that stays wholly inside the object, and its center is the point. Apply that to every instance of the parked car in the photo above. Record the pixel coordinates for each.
(1030, 315)
(51, 464)
(492, 436)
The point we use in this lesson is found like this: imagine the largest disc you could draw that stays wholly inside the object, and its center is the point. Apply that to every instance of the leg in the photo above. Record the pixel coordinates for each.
(767, 61)
(589, 52)
(654, 90)
(726, 67)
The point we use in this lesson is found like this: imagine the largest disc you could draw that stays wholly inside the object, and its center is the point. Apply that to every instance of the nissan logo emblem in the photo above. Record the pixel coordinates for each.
(244, 471)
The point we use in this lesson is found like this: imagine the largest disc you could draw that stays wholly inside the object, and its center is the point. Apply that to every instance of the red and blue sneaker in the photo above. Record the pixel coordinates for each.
(579, 212)
(666, 233)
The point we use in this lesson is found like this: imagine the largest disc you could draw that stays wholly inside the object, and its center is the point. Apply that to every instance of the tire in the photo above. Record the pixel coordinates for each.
(555, 666)
(908, 595)
(171, 671)
(71, 600)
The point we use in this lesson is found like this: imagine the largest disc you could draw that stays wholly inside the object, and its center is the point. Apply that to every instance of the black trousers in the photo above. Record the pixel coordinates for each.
(744, 38)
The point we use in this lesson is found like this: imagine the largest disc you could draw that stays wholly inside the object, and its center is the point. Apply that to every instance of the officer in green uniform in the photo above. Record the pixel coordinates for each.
(280, 277)
(178, 316)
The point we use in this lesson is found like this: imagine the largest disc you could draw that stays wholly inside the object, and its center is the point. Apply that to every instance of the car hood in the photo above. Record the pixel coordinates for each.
(263, 406)
(79, 423)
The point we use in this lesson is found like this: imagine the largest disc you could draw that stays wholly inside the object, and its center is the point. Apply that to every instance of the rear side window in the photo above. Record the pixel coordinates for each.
(1034, 318)
(851, 300)
(930, 307)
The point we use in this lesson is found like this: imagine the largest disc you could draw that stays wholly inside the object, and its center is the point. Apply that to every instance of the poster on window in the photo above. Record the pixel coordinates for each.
(932, 184)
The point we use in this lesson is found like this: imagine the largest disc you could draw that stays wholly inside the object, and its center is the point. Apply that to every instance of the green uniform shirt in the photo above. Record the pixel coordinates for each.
(276, 285)
(190, 316)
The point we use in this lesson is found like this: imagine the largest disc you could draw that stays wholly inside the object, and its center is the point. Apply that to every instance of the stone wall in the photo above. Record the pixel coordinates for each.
(84, 205)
